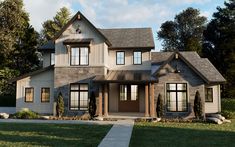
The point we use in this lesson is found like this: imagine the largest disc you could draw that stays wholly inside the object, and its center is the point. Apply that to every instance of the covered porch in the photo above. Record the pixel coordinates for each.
(117, 92)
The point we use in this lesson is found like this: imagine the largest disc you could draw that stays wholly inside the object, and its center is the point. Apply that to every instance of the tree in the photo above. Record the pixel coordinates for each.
(160, 108)
(60, 105)
(92, 105)
(51, 27)
(198, 106)
(219, 44)
(185, 33)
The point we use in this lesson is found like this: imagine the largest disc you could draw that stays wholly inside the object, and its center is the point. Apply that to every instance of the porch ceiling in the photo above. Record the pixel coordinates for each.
(126, 76)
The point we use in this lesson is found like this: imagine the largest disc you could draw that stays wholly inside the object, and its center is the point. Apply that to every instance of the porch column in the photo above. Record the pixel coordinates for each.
(152, 105)
(106, 100)
(100, 101)
(146, 100)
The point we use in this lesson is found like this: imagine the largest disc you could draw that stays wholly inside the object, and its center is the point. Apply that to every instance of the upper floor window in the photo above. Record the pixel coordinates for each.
(45, 95)
(120, 58)
(137, 57)
(29, 94)
(79, 56)
(52, 58)
(209, 95)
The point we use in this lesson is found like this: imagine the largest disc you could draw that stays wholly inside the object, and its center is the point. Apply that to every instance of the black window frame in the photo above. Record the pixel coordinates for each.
(79, 62)
(25, 95)
(123, 57)
(42, 101)
(129, 92)
(206, 95)
(79, 90)
(134, 58)
(176, 91)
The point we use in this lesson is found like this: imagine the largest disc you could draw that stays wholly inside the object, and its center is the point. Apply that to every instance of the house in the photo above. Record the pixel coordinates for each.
(120, 68)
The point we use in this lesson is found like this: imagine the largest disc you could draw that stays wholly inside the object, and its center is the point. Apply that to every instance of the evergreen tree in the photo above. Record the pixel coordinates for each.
(219, 44)
(185, 33)
(160, 108)
(60, 105)
(92, 105)
(198, 106)
(51, 27)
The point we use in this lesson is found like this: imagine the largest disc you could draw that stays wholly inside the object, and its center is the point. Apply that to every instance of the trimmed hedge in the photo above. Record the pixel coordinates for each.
(25, 114)
(228, 108)
(7, 101)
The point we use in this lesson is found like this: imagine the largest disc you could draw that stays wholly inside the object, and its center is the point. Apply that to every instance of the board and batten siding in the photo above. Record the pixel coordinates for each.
(44, 79)
(146, 60)
(215, 106)
(98, 47)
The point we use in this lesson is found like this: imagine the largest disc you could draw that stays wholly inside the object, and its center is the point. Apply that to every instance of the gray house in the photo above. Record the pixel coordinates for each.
(120, 68)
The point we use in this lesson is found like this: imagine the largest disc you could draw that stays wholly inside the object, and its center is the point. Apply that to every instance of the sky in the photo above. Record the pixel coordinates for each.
(120, 13)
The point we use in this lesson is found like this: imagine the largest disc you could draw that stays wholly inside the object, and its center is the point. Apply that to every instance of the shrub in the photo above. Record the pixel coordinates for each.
(228, 108)
(92, 105)
(160, 109)
(198, 106)
(60, 105)
(25, 114)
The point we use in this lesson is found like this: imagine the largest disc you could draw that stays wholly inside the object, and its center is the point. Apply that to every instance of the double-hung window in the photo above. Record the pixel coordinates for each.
(137, 57)
(45, 95)
(29, 95)
(78, 96)
(176, 94)
(209, 95)
(52, 58)
(120, 57)
(79, 56)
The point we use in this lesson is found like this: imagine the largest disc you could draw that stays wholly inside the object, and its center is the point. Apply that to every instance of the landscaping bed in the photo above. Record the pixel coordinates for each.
(51, 134)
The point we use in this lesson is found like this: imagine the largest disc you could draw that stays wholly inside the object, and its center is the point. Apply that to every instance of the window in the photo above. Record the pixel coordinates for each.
(78, 96)
(209, 95)
(29, 94)
(137, 58)
(123, 92)
(176, 97)
(128, 92)
(120, 57)
(52, 58)
(45, 95)
(79, 56)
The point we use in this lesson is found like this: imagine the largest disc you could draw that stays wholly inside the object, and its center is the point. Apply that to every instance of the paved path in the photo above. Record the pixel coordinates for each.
(59, 121)
(119, 135)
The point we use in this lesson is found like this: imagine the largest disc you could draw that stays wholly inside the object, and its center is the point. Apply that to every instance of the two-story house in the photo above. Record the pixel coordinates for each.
(119, 67)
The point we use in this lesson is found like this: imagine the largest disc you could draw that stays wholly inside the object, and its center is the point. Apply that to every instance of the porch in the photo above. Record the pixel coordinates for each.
(114, 101)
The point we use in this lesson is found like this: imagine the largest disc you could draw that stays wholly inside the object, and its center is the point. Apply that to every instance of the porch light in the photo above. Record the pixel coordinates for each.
(176, 56)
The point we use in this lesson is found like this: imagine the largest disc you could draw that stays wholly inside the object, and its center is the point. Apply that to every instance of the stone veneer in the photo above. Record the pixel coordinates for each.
(186, 75)
(64, 76)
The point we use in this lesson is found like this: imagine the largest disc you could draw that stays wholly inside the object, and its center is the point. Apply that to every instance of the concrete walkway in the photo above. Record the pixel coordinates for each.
(119, 135)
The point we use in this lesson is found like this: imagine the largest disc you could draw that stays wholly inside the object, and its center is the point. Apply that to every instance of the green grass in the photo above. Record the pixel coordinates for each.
(17, 134)
(183, 134)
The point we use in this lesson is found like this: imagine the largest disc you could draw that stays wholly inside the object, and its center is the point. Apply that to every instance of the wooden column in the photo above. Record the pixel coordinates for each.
(146, 100)
(152, 105)
(100, 101)
(106, 100)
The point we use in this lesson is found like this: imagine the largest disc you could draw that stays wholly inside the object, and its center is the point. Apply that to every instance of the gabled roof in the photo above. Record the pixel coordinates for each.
(129, 37)
(80, 16)
(31, 74)
(201, 66)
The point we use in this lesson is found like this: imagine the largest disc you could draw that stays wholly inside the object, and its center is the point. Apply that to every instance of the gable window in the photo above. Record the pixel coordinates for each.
(78, 96)
(176, 95)
(209, 95)
(45, 94)
(29, 94)
(79, 56)
(52, 58)
(120, 58)
(128, 92)
(137, 57)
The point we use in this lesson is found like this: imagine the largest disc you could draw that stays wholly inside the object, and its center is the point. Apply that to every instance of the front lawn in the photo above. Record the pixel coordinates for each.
(12, 134)
(182, 134)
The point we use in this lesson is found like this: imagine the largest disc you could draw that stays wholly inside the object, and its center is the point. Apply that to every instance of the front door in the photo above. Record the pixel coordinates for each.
(128, 98)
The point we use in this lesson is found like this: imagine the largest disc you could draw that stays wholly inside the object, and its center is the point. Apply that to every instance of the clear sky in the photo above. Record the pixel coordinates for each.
(120, 13)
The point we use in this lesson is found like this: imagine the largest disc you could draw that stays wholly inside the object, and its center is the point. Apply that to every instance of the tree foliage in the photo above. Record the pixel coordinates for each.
(219, 44)
(160, 108)
(198, 106)
(60, 105)
(185, 33)
(51, 27)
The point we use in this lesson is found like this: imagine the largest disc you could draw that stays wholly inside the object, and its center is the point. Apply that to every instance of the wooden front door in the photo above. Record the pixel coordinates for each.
(128, 98)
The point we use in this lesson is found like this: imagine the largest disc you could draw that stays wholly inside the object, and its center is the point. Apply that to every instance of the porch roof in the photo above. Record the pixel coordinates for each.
(126, 76)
